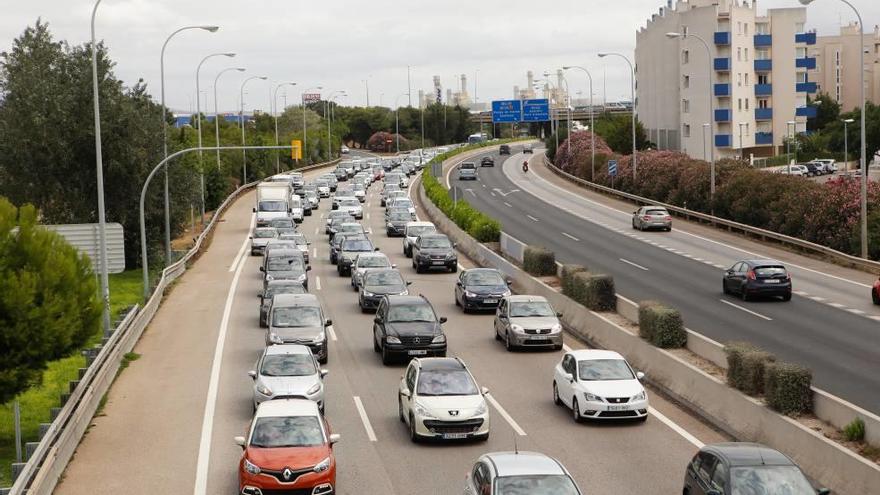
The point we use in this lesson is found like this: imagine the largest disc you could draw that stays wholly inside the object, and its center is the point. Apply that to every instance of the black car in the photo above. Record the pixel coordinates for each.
(276, 287)
(480, 288)
(336, 244)
(286, 264)
(812, 169)
(378, 283)
(487, 161)
(395, 222)
(740, 467)
(755, 278)
(504, 149)
(348, 250)
(407, 326)
(434, 251)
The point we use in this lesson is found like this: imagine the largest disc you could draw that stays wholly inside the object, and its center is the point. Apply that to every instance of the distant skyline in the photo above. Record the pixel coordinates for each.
(339, 44)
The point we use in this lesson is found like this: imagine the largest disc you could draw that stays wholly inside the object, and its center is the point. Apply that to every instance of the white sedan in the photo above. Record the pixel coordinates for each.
(598, 384)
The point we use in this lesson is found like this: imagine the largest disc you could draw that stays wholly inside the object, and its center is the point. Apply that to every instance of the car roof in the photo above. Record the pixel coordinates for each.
(433, 235)
(284, 252)
(526, 298)
(762, 262)
(478, 270)
(591, 354)
(407, 300)
(284, 349)
(447, 363)
(281, 283)
(291, 300)
(748, 454)
(524, 463)
(372, 254)
(420, 224)
(287, 407)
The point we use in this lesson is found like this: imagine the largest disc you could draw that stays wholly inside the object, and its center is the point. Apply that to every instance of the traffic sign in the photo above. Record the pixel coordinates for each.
(536, 110)
(311, 97)
(506, 111)
(612, 168)
(296, 152)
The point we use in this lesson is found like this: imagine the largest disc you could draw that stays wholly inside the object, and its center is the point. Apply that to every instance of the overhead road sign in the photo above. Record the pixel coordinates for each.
(311, 97)
(506, 111)
(536, 110)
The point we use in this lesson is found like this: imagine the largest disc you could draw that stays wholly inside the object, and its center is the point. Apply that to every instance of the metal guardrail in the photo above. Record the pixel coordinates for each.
(730, 225)
(46, 465)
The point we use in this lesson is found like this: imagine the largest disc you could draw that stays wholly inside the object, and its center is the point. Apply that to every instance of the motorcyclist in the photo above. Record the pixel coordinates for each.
(525, 166)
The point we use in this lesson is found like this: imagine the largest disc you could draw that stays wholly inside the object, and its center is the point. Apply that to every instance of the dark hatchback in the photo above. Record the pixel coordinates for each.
(273, 288)
(487, 161)
(756, 278)
(396, 222)
(434, 251)
(504, 149)
(378, 283)
(407, 326)
(480, 288)
(740, 467)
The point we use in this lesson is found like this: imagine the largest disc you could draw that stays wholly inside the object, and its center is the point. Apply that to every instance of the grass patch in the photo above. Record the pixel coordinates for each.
(125, 290)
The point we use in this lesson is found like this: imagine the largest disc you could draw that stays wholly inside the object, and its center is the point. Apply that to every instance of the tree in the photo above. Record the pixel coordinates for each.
(616, 130)
(827, 111)
(48, 304)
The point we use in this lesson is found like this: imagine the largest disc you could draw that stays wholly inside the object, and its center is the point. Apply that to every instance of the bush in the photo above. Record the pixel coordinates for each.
(568, 285)
(787, 388)
(485, 229)
(599, 294)
(480, 226)
(539, 261)
(735, 352)
(753, 371)
(661, 325)
(854, 431)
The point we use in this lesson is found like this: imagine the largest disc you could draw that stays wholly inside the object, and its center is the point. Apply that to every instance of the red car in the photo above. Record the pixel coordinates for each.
(875, 292)
(289, 449)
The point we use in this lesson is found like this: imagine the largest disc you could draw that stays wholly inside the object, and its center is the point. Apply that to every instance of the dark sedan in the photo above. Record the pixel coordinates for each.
(395, 223)
(480, 288)
(407, 326)
(487, 161)
(378, 283)
(272, 288)
(756, 278)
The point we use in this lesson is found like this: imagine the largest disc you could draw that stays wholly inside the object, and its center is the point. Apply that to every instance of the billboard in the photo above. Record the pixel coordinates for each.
(311, 97)
(536, 110)
(506, 111)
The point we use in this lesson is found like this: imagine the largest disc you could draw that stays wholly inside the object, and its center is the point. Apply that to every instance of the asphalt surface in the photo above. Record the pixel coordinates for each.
(157, 428)
(840, 346)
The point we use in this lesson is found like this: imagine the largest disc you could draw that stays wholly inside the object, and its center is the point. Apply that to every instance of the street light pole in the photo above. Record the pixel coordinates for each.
(705, 127)
(99, 176)
(632, 89)
(327, 117)
(199, 125)
(846, 143)
(592, 127)
(788, 132)
(397, 119)
(217, 111)
(741, 124)
(275, 113)
(367, 92)
(302, 100)
(241, 121)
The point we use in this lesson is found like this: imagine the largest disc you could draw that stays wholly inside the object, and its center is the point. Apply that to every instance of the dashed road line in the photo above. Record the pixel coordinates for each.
(508, 204)
(674, 426)
(836, 305)
(856, 311)
(314, 253)
(365, 419)
(519, 431)
(317, 283)
(628, 262)
(332, 333)
(737, 306)
(575, 239)
(532, 218)
(818, 299)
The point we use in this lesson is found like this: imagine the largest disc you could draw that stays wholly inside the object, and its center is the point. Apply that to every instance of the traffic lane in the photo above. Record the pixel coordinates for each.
(801, 331)
(824, 282)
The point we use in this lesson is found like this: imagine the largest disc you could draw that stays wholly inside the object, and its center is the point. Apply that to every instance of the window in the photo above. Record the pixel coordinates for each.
(739, 28)
(685, 56)
(801, 77)
(684, 30)
(762, 28)
(747, 78)
(747, 103)
(707, 462)
(738, 54)
(763, 79)
(746, 28)
(739, 104)
(762, 54)
(763, 103)
(800, 52)
(686, 130)
(799, 27)
(687, 82)
(739, 79)
(719, 478)
(746, 50)
(685, 106)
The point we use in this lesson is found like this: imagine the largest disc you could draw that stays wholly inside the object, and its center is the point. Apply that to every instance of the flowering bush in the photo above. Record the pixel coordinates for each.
(574, 153)
(379, 142)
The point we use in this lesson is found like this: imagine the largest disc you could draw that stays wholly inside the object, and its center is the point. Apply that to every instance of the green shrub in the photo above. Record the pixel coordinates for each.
(595, 291)
(735, 352)
(661, 325)
(480, 226)
(539, 261)
(567, 275)
(787, 388)
(485, 229)
(854, 431)
(754, 365)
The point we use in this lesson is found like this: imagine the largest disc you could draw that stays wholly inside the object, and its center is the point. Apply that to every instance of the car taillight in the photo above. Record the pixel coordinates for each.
(646, 217)
(668, 217)
(751, 275)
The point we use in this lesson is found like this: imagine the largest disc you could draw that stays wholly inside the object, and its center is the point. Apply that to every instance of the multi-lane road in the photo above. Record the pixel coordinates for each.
(829, 325)
(171, 416)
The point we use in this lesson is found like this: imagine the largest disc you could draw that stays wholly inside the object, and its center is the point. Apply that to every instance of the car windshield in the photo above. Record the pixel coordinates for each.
(348, 227)
(292, 431)
(349, 202)
(280, 244)
(417, 230)
(383, 278)
(286, 264)
(604, 369)
(265, 233)
(274, 290)
(446, 382)
(288, 365)
(296, 316)
(530, 308)
(357, 245)
(300, 240)
(467, 165)
(402, 203)
(484, 278)
(769, 480)
(399, 216)
(436, 242)
(281, 223)
(769, 271)
(272, 206)
(372, 262)
(557, 484)
(295, 204)
(411, 312)
(656, 212)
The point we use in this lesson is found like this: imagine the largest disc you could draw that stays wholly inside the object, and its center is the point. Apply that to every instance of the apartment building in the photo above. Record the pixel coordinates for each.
(751, 87)
(837, 71)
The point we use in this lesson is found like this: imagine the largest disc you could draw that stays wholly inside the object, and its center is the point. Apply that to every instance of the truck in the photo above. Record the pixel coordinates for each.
(273, 201)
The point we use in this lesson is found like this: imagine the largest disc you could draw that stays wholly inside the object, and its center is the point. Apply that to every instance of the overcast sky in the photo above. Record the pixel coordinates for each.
(339, 43)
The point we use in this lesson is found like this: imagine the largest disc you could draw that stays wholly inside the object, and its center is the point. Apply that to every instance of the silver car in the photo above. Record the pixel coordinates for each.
(288, 372)
(519, 472)
(352, 206)
(527, 321)
(364, 262)
(260, 238)
(652, 217)
(299, 319)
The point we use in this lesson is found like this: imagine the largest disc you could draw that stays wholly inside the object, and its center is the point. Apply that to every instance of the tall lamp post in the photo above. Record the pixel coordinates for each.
(632, 89)
(592, 128)
(199, 123)
(397, 119)
(275, 113)
(302, 100)
(217, 111)
(789, 134)
(327, 118)
(212, 29)
(99, 176)
(846, 143)
(367, 91)
(741, 125)
(241, 121)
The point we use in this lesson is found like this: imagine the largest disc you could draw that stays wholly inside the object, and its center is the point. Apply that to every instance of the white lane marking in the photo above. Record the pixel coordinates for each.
(628, 262)
(508, 204)
(484, 185)
(493, 194)
(800, 292)
(317, 283)
(332, 333)
(856, 311)
(532, 218)
(314, 252)
(243, 244)
(817, 298)
(519, 431)
(836, 305)
(364, 419)
(317, 230)
(566, 347)
(875, 318)
(204, 457)
(674, 427)
(575, 239)
(737, 306)
(368, 216)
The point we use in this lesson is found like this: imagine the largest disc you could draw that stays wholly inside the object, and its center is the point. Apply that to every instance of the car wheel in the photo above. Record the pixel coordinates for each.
(724, 288)
(643, 418)
(634, 225)
(376, 347)
(787, 297)
(324, 359)
(668, 229)
(507, 344)
(497, 337)
(483, 438)
(556, 399)
(744, 293)
(413, 436)
(419, 268)
(400, 410)
(454, 268)
(386, 357)
(575, 410)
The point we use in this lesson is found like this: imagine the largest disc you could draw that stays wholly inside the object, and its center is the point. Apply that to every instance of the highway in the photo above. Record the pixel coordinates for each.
(171, 416)
(837, 340)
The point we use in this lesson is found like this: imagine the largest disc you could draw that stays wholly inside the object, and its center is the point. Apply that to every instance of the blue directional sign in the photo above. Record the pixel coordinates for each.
(536, 110)
(506, 111)
(612, 168)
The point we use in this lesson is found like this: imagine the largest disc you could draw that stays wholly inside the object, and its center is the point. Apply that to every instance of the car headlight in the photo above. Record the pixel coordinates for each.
(424, 412)
(450, 256)
(639, 396)
(322, 466)
(481, 409)
(301, 278)
(369, 294)
(404, 293)
(251, 467)
(314, 390)
(556, 328)
(392, 340)
(592, 398)
(264, 390)
(469, 294)
(439, 339)
(275, 339)
(506, 293)
(389, 225)
(320, 338)
(516, 328)
(269, 277)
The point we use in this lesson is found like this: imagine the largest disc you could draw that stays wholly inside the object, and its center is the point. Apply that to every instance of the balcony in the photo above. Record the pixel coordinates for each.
(722, 64)
(722, 115)
(764, 65)
(808, 63)
(723, 140)
(808, 38)
(808, 112)
(763, 138)
(763, 40)
(805, 87)
(722, 89)
(722, 37)
(763, 89)
(763, 114)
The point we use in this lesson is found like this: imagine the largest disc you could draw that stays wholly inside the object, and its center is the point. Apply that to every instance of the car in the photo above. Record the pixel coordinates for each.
(433, 251)
(875, 292)
(344, 149)
(350, 248)
(336, 214)
(504, 149)
(288, 448)
(260, 238)
(278, 243)
(311, 197)
(480, 289)
(296, 209)
(285, 264)
(527, 321)
(273, 288)
(392, 195)
(820, 167)
(527, 148)
(652, 217)
(336, 245)
(360, 192)
(744, 468)
(283, 225)
(813, 169)
(751, 278)
(323, 188)
(597, 384)
(387, 188)
(402, 202)
(407, 326)
(438, 398)
(302, 243)
(487, 161)
(367, 261)
(411, 231)
(288, 371)
(352, 206)
(347, 227)
(830, 164)
(467, 171)
(336, 224)
(377, 283)
(519, 472)
(395, 222)
(299, 319)
(331, 181)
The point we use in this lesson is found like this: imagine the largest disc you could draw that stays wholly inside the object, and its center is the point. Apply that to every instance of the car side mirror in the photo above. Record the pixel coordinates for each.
(393, 265)
(376, 248)
(335, 438)
(823, 491)
(290, 210)
(408, 283)
(252, 374)
(260, 295)
(255, 210)
(569, 377)
(484, 390)
(442, 320)
(454, 245)
(308, 268)
(324, 373)
(729, 272)
(250, 237)
(405, 393)
(377, 319)
(262, 269)
(328, 322)
(239, 441)
(640, 375)
(558, 314)
(508, 281)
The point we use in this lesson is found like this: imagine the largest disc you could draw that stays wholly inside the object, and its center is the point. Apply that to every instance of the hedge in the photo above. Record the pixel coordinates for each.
(787, 388)
(735, 352)
(539, 261)
(594, 291)
(568, 286)
(661, 325)
(480, 226)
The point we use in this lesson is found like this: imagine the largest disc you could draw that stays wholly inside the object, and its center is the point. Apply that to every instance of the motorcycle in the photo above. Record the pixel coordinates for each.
(525, 166)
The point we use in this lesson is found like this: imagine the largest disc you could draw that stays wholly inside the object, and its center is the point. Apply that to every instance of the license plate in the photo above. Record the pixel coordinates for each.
(418, 352)
(618, 408)
(454, 436)
(491, 301)
(771, 281)
(538, 341)
(441, 262)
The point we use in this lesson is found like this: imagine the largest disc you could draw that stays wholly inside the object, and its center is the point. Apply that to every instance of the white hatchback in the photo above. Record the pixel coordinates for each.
(597, 384)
